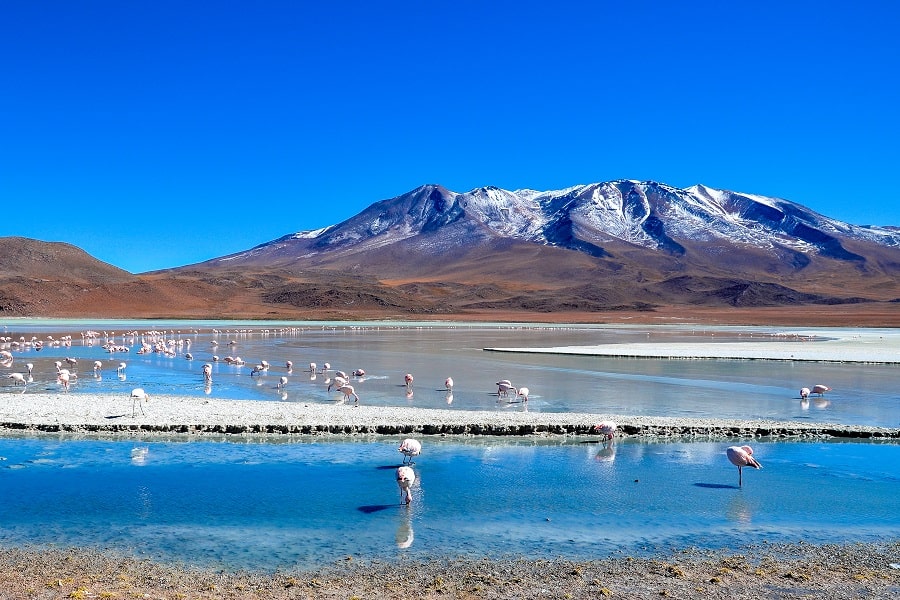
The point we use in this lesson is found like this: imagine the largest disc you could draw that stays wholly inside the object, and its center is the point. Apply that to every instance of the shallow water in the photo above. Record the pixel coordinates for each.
(309, 503)
(863, 394)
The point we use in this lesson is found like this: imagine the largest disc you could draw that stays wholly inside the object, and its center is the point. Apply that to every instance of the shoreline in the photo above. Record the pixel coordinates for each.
(765, 571)
(192, 417)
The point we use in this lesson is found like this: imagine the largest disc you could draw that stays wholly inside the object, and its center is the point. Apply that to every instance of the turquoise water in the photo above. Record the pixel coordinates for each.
(862, 394)
(306, 504)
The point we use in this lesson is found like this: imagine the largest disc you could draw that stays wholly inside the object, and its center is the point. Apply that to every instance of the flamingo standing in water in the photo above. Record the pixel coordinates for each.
(63, 378)
(820, 389)
(337, 382)
(410, 448)
(408, 379)
(742, 456)
(448, 384)
(405, 478)
(503, 387)
(282, 382)
(804, 393)
(207, 373)
(606, 428)
(17, 378)
(523, 393)
(348, 391)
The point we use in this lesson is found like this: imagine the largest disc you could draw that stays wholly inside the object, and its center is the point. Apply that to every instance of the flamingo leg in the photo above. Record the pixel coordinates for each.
(740, 478)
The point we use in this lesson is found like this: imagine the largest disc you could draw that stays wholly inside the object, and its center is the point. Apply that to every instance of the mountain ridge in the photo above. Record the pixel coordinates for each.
(609, 247)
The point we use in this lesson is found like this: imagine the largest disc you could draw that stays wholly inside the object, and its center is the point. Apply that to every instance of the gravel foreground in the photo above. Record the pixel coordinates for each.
(760, 572)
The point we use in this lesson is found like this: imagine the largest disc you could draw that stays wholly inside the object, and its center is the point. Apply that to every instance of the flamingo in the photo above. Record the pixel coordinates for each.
(741, 456)
(503, 387)
(121, 369)
(804, 393)
(97, 366)
(140, 396)
(30, 367)
(405, 478)
(358, 373)
(410, 448)
(348, 391)
(312, 367)
(338, 382)
(207, 373)
(606, 428)
(282, 382)
(63, 378)
(448, 383)
(326, 367)
(523, 392)
(820, 389)
(408, 378)
(17, 378)
(289, 366)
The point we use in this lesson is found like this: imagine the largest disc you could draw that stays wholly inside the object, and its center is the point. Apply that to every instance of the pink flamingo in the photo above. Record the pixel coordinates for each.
(405, 478)
(606, 428)
(523, 393)
(448, 384)
(820, 389)
(408, 378)
(742, 456)
(410, 448)
(503, 387)
(804, 393)
(348, 391)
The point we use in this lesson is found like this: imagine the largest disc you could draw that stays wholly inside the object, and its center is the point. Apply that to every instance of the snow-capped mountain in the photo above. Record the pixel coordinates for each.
(603, 220)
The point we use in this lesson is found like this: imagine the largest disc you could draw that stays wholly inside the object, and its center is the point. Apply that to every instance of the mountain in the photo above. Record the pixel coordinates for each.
(612, 245)
(582, 253)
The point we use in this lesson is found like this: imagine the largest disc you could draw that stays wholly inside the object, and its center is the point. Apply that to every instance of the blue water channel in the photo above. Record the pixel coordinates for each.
(310, 502)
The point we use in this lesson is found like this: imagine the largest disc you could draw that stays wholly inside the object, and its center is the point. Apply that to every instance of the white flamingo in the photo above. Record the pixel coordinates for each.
(742, 456)
(282, 382)
(408, 379)
(121, 368)
(405, 478)
(338, 382)
(522, 392)
(410, 449)
(804, 393)
(139, 396)
(207, 373)
(17, 379)
(448, 384)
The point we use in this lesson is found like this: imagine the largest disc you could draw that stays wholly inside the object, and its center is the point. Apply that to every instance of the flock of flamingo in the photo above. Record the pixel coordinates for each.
(740, 456)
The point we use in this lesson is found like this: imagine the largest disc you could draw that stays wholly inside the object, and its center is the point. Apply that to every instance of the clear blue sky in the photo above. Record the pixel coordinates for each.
(161, 133)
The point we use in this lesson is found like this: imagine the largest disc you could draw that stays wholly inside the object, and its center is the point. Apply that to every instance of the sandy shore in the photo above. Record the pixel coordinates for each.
(89, 413)
(755, 573)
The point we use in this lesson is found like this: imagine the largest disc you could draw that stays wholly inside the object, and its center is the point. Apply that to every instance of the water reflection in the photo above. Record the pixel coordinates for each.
(404, 536)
